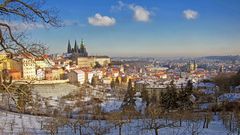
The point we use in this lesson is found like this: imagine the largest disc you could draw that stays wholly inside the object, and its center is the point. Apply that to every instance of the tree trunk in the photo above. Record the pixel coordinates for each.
(204, 122)
(208, 121)
(41, 125)
(75, 129)
(80, 130)
(230, 122)
(3, 97)
(180, 122)
(8, 103)
(120, 130)
(156, 131)
(52, 132)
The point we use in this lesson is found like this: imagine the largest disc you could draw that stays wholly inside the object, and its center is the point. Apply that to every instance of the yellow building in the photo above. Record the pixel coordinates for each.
(44, 63)
(85, 61)
(91, 61)
(4, 62)
(102, 60)
(26, 66)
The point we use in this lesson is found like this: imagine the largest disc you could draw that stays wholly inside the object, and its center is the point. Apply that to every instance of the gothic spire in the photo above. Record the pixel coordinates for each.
(82, 42)
(75, 47)
(69, 49)
(82, 46)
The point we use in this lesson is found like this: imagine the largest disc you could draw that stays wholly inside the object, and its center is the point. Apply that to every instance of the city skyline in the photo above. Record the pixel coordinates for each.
(142, 28)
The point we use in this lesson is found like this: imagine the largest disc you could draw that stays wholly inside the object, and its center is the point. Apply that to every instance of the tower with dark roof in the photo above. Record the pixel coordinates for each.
(77, 51)
(69, 49)
(82, 51)
(75, 47)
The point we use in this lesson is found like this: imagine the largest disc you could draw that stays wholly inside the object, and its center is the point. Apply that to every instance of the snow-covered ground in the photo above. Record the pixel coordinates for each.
(54, 90)
(111, 105)
(13, 123)
(229, 97)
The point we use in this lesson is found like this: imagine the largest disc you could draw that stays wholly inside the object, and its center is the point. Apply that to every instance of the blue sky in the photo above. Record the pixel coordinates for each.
(146, 27)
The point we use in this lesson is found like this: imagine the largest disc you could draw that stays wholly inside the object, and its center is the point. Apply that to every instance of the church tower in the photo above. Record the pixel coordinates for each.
(75, 47)
(194, 65)
(82, 50)
(69, 49)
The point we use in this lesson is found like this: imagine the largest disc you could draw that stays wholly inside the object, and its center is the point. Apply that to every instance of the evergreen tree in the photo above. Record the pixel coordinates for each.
(184, 101)
(237, 78)
(117, 81)
(130, 89)
(189, 87)
(94, 81)
(169, 99)
(129, 85)
(112, 84)
(144, 95)
(129, 100)
(97, 65)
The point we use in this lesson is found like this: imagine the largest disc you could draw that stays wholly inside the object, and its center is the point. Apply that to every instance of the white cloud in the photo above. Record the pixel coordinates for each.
(119, 6)
(99, 20)
(22, 26)
(190, 14)
(72, 23)
(29, 26)
(140, 13)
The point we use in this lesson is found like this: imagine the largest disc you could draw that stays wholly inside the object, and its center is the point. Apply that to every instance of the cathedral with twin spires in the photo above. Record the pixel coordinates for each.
(79, 51)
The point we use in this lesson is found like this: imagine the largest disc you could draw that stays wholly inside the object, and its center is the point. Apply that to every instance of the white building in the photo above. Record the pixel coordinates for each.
(76, 76)
(99, 73)
(40, 74)
(106, 80)
(90, 76)
(28, 68)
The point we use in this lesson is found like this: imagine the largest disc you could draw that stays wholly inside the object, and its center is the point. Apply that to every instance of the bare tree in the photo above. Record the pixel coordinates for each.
(192, 123)
(154, 119)
(98, 125)
(118, 119)
(207, 118)
(20, 13)
(29, 12)
(82, 119)
(53, 124)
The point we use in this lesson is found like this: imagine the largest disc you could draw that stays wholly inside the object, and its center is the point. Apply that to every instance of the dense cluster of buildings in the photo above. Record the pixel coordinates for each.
(55, 67)
(77, 66)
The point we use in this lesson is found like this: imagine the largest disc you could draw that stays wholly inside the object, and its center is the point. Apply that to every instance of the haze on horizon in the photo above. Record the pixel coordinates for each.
(143, 28)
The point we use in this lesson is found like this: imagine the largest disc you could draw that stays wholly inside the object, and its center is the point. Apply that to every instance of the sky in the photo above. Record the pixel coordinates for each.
(145, 27)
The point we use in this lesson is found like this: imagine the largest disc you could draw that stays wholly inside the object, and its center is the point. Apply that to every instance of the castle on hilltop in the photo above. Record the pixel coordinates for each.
(79, 55)
(79, 51)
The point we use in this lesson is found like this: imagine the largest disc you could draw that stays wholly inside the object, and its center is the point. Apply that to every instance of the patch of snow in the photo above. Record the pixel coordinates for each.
(229, 97)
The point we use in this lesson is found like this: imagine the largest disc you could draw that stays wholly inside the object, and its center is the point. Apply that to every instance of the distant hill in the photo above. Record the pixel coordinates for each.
(228, 58)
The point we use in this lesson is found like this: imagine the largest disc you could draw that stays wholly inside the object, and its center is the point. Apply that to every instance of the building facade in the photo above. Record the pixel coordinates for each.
(77, 51)
(80, 56)
(76, 76)
(28, 69)
(91, 61)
